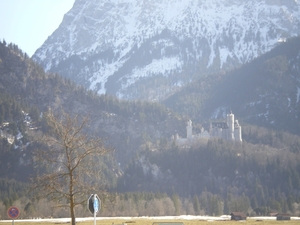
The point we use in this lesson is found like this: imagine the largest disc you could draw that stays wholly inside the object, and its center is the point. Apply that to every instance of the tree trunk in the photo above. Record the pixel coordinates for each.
(72, 211)
(72, 199)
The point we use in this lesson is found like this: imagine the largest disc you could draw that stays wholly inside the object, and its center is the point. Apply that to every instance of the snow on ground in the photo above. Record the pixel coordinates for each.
(157, 218)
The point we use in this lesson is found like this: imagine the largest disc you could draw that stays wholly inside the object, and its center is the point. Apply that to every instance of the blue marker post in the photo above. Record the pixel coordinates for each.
(94, 205)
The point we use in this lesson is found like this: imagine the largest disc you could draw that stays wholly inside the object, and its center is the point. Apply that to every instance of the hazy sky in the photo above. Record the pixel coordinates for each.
(28, 23)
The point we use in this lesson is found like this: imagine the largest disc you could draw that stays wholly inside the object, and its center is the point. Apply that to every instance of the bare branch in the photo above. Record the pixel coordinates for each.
(66, 161)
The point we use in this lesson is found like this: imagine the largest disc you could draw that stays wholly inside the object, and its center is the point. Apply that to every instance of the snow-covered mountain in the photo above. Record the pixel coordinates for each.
(142, 49)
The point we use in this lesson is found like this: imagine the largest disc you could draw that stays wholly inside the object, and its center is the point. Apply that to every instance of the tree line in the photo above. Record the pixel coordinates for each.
(152, 204)
(254, 178)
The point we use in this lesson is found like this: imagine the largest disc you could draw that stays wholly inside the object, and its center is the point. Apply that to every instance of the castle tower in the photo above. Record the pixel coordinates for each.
(189, 129)
(237, 131)
(230, 123)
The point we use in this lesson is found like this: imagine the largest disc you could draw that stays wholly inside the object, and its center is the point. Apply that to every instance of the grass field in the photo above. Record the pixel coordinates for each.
(143, 221)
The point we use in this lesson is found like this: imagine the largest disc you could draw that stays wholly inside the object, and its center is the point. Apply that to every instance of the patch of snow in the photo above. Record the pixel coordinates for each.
(224, 54)
(156, 218)
(156, 67)
(219, 112)
(251, 104)
(19, 136)
(102, 75)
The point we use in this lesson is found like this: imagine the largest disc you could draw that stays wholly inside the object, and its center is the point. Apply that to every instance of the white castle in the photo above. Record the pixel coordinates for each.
(229, 130)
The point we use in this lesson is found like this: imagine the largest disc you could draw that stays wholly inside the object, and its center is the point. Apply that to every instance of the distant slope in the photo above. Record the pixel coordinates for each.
(265, 91)
(124, 125)
(221, 168)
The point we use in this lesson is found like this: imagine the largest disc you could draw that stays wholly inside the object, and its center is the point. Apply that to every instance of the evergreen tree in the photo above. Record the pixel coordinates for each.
(196, 205)
(177, 204)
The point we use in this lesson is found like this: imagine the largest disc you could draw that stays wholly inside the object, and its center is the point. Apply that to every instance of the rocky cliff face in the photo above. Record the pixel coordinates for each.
(147, 49)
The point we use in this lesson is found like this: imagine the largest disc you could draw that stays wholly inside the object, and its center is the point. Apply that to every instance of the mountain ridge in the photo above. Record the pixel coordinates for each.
(121, 47)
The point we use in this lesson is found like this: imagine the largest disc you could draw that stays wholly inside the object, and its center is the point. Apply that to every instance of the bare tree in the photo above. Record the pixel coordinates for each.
(69, 162)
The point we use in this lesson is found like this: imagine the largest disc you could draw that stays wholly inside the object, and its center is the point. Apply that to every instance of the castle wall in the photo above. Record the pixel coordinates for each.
(229, 130)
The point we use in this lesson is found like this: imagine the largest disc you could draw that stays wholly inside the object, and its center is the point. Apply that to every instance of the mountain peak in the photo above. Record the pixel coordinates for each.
(146, 49)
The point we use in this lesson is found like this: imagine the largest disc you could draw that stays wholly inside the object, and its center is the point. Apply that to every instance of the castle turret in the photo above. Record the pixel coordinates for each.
(230, 123)
(237, 131)
(189, 130)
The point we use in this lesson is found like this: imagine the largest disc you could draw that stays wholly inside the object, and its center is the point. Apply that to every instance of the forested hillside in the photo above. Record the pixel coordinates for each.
(264, 91)
(27, 92)
(253, 178)
(148, 174)
(129, 123)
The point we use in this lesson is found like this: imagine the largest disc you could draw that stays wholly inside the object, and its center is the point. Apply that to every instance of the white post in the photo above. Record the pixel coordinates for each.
(96, 207)
(95, 217)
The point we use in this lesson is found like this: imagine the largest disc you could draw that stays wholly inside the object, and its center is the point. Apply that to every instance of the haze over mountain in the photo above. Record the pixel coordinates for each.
(265, 91)
(211, 177)
(149, 49)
